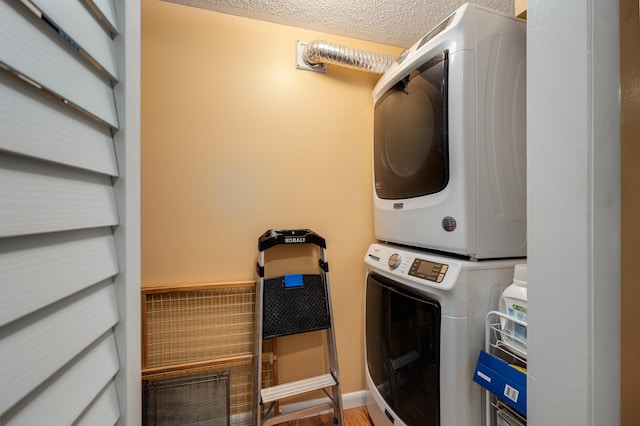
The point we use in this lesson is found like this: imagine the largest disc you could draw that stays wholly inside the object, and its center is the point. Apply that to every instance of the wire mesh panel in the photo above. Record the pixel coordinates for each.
(201, 400)
(242, 391)
(188, 326)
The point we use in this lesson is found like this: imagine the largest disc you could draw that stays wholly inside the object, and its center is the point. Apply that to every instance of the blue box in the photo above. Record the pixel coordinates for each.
(501, 379)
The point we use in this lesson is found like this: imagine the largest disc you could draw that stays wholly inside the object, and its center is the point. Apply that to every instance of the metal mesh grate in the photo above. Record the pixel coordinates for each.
(201, 400)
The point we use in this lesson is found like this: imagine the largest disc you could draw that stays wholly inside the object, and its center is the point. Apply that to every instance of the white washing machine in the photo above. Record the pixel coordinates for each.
(424, 328)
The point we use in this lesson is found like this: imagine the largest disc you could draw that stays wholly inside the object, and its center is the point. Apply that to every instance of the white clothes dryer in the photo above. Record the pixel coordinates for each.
(449, 139)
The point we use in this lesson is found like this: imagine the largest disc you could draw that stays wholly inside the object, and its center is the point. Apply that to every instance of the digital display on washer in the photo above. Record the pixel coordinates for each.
(428, 270)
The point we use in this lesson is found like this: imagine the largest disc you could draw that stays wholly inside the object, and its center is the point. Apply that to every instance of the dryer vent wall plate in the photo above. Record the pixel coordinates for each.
(301, 64)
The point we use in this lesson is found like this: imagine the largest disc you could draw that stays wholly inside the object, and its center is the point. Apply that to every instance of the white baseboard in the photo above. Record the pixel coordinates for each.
(349, 400)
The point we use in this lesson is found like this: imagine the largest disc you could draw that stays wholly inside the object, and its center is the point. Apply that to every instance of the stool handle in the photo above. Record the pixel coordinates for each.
(274, 237)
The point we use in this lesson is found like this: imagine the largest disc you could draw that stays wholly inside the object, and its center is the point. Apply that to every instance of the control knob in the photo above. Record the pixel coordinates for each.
(394, 261)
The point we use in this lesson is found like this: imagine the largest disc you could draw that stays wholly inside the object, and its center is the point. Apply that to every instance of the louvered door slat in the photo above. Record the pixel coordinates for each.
(62, 401)
(78, 24)
(41, 197)
(36, 125)
(40, 270)
(103, 411)
(38, 346)
(31, 48)
(105, 10)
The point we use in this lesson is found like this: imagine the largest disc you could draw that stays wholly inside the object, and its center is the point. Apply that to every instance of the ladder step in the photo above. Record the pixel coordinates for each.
(404, 360)
(298, 387)
(305, 412)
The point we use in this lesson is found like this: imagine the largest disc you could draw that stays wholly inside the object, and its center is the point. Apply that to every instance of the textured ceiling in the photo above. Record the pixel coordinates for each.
(393, 22)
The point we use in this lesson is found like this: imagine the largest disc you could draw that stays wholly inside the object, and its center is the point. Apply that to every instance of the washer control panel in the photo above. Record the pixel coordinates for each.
(427, 270)
(413, 266)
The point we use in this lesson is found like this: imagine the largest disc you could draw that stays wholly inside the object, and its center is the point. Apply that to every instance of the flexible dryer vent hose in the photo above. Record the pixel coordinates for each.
(323, 52)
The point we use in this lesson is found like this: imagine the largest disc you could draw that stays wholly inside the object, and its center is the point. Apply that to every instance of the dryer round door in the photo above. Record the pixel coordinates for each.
(410, 134)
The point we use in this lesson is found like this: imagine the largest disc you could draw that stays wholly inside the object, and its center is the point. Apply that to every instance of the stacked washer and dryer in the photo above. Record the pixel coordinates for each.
(450, 213)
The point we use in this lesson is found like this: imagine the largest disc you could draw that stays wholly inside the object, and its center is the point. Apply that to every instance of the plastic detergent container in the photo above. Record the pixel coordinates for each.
(514, 304)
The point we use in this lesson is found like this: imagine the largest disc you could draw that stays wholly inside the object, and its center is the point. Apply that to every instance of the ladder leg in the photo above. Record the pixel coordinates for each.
(336, 393)
(333, 353)
(257, 347)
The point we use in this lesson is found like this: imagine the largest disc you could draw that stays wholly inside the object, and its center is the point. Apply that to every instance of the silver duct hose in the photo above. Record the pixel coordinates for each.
(321, 52)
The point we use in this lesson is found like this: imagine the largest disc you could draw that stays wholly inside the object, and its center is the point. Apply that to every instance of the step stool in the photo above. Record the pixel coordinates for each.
(294, 304)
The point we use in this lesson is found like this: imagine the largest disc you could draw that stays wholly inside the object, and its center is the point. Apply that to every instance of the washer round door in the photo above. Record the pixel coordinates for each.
(410, 134)
(402, 334)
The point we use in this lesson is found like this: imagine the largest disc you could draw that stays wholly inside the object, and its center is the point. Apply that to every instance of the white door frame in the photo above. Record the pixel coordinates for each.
(573, 138)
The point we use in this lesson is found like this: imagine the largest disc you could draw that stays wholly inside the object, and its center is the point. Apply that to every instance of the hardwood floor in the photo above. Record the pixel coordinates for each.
(352, 417)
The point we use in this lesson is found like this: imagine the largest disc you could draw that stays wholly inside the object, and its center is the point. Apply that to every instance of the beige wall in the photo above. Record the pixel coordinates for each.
(235, 141)
(630, 138)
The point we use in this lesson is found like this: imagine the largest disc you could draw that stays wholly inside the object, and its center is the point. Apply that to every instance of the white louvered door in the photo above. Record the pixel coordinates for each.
(69, 212)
